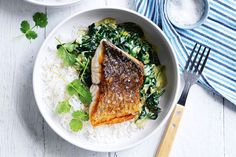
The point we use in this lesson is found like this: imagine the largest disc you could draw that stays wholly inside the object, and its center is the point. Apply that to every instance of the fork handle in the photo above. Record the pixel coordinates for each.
(168, 138)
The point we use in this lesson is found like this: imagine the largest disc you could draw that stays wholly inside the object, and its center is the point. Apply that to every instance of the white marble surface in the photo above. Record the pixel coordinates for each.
(208, 128)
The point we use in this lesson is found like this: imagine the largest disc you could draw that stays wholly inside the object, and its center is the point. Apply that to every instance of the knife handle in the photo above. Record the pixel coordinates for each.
(168, 138)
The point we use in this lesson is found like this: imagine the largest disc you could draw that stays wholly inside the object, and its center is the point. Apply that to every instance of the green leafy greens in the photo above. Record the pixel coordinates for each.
(40, 20)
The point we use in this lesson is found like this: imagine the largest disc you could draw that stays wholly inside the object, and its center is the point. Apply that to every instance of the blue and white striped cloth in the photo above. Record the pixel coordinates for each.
(218, 32)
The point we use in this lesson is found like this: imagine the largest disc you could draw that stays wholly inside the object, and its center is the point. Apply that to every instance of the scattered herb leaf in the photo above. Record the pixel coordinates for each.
(63, 107)
(83, 116)
(31, 35)
(68, 58)
(25, 26)
(40, 20)
(70, 47)
(76, 87)
(76, 125)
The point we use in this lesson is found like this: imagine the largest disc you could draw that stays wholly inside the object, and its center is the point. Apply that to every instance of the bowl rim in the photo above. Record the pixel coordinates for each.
(50, 123)
(61, 4)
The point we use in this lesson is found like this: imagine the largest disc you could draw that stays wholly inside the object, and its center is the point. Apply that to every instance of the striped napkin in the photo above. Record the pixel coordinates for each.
(218, 32)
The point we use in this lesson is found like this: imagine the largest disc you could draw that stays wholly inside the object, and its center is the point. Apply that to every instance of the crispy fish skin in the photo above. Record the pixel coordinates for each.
(117, 78)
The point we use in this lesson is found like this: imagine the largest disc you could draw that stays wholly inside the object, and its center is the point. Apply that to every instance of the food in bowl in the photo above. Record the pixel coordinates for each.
(109, 78)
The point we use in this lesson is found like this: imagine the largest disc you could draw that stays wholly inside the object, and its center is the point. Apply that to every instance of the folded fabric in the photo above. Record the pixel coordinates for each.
(218, 33)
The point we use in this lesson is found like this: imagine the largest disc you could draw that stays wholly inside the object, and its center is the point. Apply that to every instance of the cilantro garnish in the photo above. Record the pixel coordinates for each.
(40, 20)
(81, 115)
(25, 26)
(78, 117)
(76, 123)
(68, 58)
(78, 88)
(65, 52)
(63, 107)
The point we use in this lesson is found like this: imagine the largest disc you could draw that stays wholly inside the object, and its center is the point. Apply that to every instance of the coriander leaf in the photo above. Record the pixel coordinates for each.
(40, 19)
(86, 100)
(31, 34)
(76, 125)
(63, 107)
(77, 87)
(83, 116)
(70, 47)
(71, 89)
(68, 58)
(25, 26)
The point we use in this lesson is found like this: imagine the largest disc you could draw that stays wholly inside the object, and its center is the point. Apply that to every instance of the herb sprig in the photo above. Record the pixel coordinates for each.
(67, 52)
(63, 107)
(76, 87)
(78, 116)
(76, 122)
(40, 20)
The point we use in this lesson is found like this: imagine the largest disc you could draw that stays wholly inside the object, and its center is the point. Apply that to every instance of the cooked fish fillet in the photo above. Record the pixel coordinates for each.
(117, 78)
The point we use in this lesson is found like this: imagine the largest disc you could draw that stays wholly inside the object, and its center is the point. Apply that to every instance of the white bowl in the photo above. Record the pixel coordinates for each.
(153, 34)
(53, 3)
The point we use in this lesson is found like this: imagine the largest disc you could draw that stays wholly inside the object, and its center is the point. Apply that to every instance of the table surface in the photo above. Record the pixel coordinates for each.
(207, 129)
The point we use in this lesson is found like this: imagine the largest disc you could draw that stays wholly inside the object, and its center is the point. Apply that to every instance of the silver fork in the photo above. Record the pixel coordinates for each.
(192, 71)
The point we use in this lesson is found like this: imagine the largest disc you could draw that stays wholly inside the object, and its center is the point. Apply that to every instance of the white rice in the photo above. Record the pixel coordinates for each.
(55, 77)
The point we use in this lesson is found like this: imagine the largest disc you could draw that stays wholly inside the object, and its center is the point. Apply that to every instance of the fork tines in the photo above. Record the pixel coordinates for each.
(197, 59)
